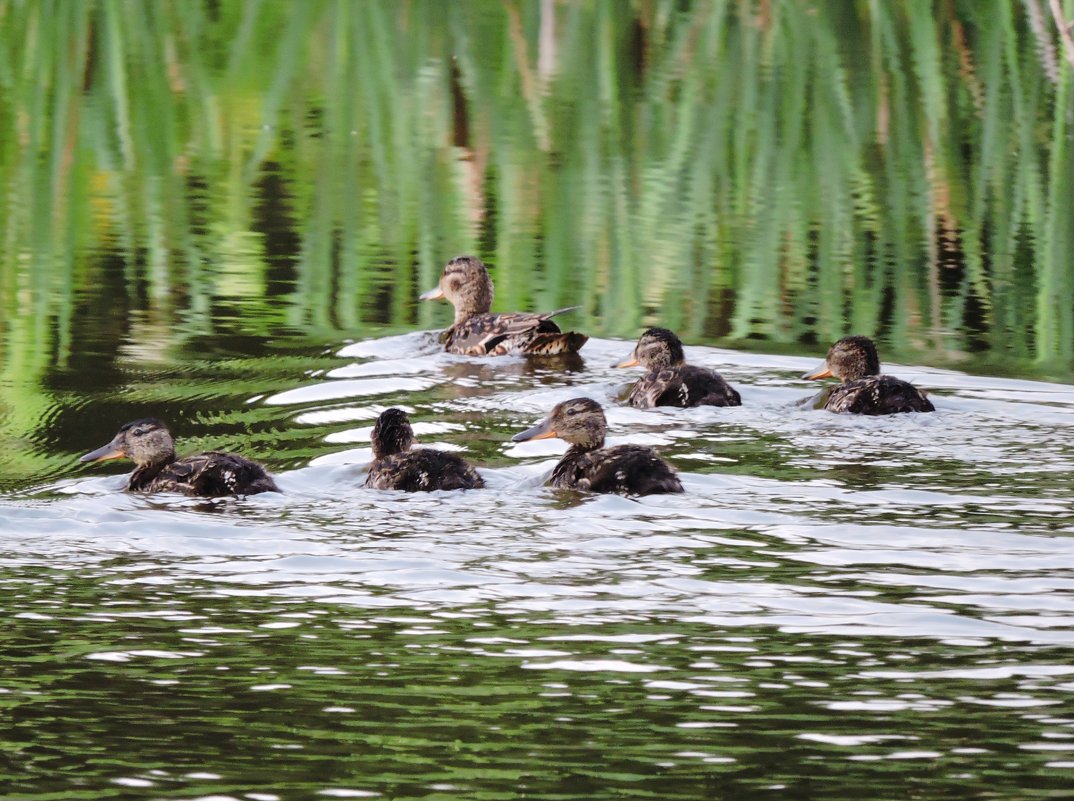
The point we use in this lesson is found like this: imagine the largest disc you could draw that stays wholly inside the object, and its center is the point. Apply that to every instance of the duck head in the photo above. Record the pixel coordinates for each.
(849, 359)
(392, 433)
(466, 283)
(579, 421)
(145, 442)
(656, 348)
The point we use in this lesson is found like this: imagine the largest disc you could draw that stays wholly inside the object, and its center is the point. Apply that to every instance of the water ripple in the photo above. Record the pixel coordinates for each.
(848, 590)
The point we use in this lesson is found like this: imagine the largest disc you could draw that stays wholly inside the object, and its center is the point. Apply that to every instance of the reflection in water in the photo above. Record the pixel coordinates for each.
(836, 606)
(226, 196)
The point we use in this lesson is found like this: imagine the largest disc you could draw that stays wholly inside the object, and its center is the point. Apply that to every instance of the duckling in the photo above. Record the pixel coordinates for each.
(475, 332)
(148, 443)
(395, 466)
(864, 390)
(670, 380)
(588, 465)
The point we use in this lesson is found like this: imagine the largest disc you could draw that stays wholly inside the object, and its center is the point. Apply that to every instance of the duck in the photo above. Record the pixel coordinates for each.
(588, 465)
(149, 444)
(465, 282)
(855, 361)
(397, 467)
(670, 381)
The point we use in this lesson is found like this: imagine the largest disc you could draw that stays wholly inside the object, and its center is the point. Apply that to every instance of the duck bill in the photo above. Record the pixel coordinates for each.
(105, 452)
(824, 371)
(432, 294)
(629, 361)
(543, 430)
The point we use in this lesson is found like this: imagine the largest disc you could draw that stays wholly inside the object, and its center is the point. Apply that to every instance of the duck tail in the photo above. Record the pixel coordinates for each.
(553, 344)
(551, 314)
(663, 485)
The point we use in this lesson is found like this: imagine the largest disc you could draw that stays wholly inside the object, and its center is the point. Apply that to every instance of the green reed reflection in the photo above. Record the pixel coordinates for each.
(735, 169)
(786, 172)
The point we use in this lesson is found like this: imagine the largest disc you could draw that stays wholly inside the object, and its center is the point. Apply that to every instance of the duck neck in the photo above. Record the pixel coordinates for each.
(391, 438)
(579, 448)
(661, 363)
(470, 307)
(858, 371)
(144, 474)
(475, 299)
(383, 450)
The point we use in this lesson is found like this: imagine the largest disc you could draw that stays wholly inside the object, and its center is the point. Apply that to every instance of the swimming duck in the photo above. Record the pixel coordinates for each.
(670, 380)
(395, 466)
(588, 465)
(855, 362)
(475, 332)
(148, 443)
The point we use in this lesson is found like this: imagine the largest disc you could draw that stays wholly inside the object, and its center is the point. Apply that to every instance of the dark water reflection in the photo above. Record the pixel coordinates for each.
(217, 691)
(836, 608)
(211, 692)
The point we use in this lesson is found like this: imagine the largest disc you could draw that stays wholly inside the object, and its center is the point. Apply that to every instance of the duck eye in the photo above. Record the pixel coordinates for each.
(572, 412)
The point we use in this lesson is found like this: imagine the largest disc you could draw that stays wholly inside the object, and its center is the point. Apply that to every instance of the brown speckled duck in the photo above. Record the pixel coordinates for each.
(466, 283)
(397, 467)
(670, 381)
(864, 390)
(588, 465)
(148, 443)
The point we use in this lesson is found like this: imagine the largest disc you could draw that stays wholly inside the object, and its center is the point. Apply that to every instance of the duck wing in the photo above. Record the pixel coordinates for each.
(684, 386)
(214, 474)
(553, 343)
(511, 332)
(876, 395)
(571, 472)
(626, 469)
(423, 470)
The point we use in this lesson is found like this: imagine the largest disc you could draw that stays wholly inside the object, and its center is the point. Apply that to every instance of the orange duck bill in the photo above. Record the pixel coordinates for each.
(543, 430)
(110, 451)
(823, 371)
(432, 294)
(629, 361)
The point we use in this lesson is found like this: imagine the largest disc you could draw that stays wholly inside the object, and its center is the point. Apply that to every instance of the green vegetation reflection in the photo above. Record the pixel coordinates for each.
(784, 173)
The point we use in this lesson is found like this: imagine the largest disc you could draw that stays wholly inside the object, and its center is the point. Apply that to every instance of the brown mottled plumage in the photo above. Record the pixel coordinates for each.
(588, 465)
(148, 443)
(466, 283)
(669, 380)
(397, 467)
(863, 390)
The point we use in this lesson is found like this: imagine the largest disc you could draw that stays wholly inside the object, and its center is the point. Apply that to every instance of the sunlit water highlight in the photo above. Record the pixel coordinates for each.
(837, 607)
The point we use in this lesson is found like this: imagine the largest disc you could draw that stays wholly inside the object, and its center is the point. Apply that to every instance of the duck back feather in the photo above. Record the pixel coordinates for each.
(423, 470)
(626, 469)
(209, 475)
(512, 333)
(876, 395)
(684, 385)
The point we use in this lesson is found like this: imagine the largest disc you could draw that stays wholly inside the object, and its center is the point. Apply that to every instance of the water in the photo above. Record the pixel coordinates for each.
(836, 608)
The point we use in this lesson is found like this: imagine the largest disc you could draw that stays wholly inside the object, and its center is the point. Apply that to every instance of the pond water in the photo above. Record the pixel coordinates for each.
(837, 607)
(221, 214)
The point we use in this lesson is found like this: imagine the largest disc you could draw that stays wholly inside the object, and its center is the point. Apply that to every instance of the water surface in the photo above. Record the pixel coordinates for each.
(836, 607)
